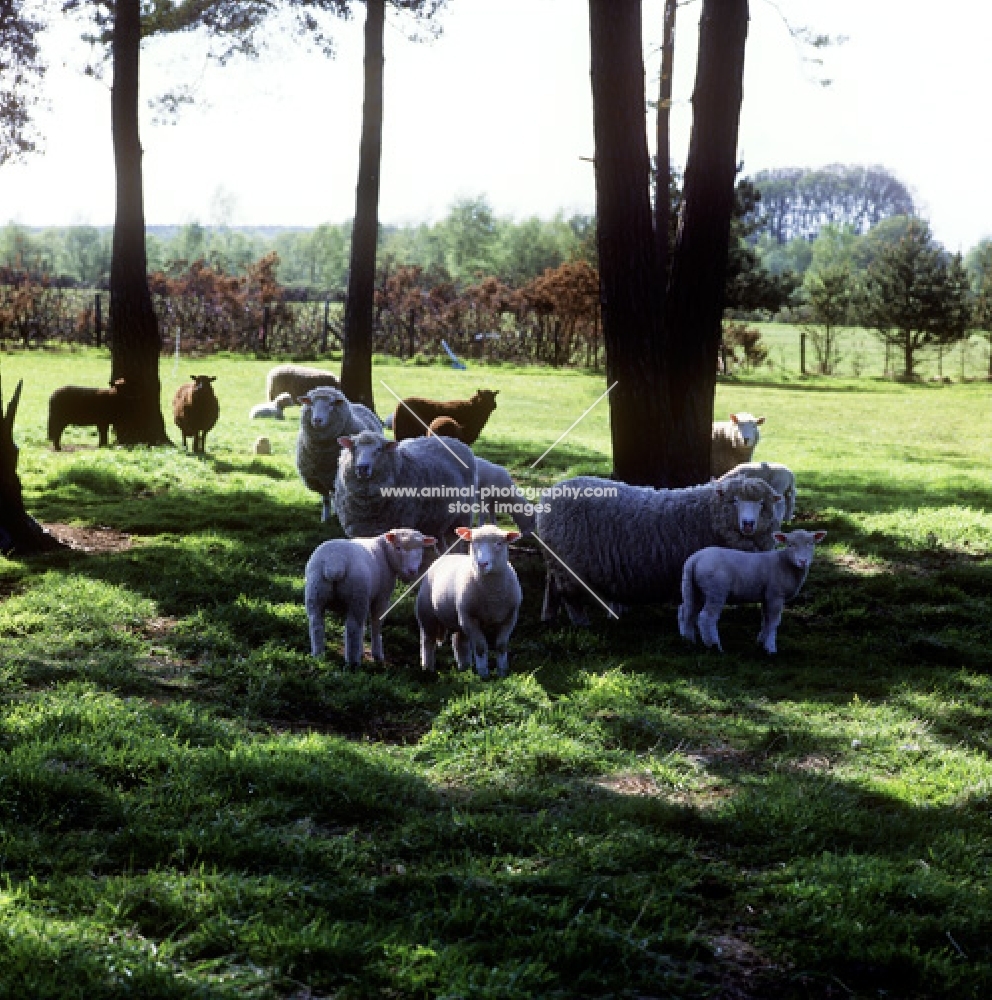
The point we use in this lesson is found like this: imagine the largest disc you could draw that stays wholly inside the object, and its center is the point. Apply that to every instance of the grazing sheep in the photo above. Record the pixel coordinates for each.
(441, 472)
(734, 441)
(262, 446)
(779, 477)
(297, 380)
(83, 406)
(446, 427)
(475, 597)
(195, 410)
(271, 410)
(714, 576)
(629, 546)
(499, 493)
(354, 577)
(414, 414)
(326, 416)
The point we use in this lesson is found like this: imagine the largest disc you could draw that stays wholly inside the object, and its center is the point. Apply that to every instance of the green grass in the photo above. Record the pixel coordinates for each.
(191, 806)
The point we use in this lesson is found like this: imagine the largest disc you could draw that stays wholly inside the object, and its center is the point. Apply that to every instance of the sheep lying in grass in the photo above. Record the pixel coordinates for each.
(498, 492)
(273, 410)
(195, 410)
(779, 477)
(440, 471)
(715, 576)
(734, 441)
(355, 578)
(83, 406)
(475, 597)
(326, 416)
(629, 546)
(297, 380)
(413, 416)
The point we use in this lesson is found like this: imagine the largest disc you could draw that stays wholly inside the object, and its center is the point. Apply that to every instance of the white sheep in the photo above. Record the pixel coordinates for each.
(475, 597)
(498, 492)
(297, 380)
(715, 576)
(779, 477)
(627, 544)
(355, 578)
(271, 410)
(436, 475)
(326, 416)
(734, 441)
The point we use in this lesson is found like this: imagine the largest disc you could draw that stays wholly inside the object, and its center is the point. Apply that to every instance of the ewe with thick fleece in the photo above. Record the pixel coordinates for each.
(414, 415)
(297, 380)
(195, 410)
(498, 491)
(420, 466)
(779, 477)
(714, 576)
(475, 597)
(83, 406)
(629, 547)
(271, 410)
(734, 441)
(326, 416)
(355, 578)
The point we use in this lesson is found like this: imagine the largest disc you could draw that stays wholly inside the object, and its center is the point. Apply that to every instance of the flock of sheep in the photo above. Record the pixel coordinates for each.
(398, 499)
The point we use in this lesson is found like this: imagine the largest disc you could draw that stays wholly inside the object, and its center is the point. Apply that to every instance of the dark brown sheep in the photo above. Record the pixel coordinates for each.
(83, 406)
(470, 414)
(195, 410)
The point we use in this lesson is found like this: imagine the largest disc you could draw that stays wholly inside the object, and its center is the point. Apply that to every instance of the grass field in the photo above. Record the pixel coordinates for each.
(191, 806)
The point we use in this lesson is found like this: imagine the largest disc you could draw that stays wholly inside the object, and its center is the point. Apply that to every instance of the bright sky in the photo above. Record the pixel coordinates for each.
(499, 106)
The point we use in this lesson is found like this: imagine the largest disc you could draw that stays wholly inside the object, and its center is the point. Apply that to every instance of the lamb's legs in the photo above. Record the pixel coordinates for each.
(708, 619)
(687, 622)
(475, 638)
(771, 616)
(428, 650)
(354, 638)
(462, 649)
(375, 629)
(318, 642)
(552, 600)
(501, 644)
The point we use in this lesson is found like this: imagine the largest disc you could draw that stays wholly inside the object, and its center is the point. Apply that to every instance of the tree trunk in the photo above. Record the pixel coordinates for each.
(694, 306)
(663, 161)
(134, 336)
(630, 286)
(356, 364)
(20, 534)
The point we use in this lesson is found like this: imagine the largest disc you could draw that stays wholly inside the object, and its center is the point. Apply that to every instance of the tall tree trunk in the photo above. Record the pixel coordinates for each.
(630, 289)
(20, 534)
(694, 306)
(663, 162)
(356, 365)
(134, 336)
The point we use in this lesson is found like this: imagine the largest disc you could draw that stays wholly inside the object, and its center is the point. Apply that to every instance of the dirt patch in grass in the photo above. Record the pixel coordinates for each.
(99, 539)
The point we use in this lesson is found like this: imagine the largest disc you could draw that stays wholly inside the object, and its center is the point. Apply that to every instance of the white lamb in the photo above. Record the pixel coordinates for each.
(734, 441)
(498, 492)
(326, 416)
(779, 477)
(475, 597)
(355, 578)
(714, 576)
(271, 410)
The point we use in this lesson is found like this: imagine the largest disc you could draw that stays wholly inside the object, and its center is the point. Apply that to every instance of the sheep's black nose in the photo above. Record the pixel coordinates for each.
(747, 527)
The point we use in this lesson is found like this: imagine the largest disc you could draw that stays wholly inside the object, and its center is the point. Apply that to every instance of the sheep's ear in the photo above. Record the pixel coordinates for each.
(733, 418)
(304, 400)
(213, 378)
(346, 442)
(427, 541)
(512, 536)
(818, 536)
(760, 420)
(391, 537)
(781, 537)
(464, 533)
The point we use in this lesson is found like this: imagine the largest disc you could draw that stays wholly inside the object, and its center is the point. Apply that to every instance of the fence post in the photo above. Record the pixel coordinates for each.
(97, 319)
(327, 324)
(265, 326)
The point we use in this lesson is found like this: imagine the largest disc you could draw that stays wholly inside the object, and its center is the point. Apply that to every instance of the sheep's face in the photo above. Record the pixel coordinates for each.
(326, 409)
(406, 552)
(747, 508)
(489, 547)
(486, 399)
(748, 427)
(201, 383)
(366, 450)
(799, 545)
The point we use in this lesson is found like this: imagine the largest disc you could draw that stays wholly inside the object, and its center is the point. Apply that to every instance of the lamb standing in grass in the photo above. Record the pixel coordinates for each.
(355, 578)
(475, 597)
(326, 416)
(273, 410)
(195, 410)
(734, 441)
(439, 473)
(779, 477)
(629, 546)
(713, 577)
(83, 406)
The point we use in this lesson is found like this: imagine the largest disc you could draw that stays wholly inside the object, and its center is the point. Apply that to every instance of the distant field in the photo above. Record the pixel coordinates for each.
(192, 807)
